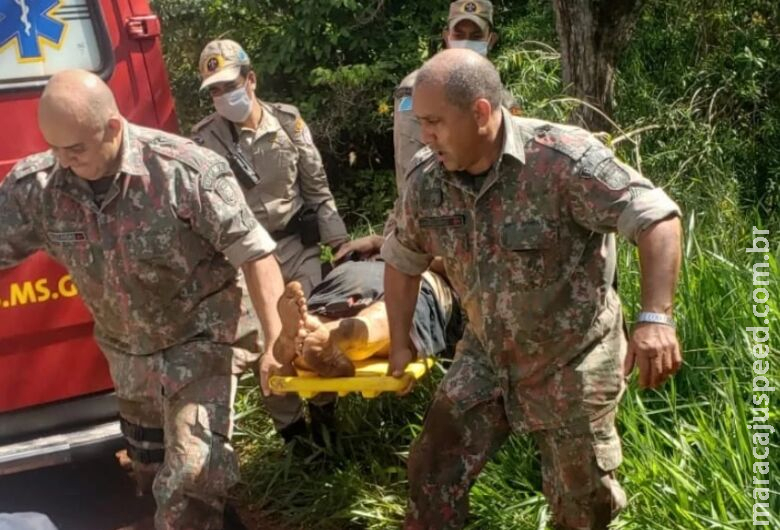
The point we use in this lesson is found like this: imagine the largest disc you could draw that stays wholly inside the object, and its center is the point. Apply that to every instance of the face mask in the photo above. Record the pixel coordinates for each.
(234, 106)
(479, 46)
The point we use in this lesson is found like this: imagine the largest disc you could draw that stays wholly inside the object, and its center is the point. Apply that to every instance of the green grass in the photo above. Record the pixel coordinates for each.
(688, 462)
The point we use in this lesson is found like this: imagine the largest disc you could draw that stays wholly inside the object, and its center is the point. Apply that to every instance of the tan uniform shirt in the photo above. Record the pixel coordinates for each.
(156, 261)
(288, 164)
(532, 257)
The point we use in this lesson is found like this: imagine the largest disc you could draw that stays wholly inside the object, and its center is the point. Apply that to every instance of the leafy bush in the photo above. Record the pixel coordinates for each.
(701, 81)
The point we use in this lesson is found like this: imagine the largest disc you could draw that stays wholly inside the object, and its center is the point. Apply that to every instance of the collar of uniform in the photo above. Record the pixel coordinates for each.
(268, 123)
(513, 146)
(514, 143)
(132, 159)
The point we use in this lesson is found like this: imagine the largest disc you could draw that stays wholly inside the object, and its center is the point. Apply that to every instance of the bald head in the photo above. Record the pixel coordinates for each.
(464, 75)
(79, 118)
(77, 98)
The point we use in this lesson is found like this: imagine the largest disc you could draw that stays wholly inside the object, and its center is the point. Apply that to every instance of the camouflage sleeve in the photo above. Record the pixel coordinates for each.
(606, 195)
(402, 247)
(19, 234)
(217, 211)
(314, 186)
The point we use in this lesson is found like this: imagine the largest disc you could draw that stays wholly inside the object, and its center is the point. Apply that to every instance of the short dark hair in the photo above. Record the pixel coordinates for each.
(465, 81)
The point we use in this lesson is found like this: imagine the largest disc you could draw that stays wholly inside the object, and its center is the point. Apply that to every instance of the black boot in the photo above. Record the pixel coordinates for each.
(231, 520)
(294, 430)
(297, 439)
(323, 424)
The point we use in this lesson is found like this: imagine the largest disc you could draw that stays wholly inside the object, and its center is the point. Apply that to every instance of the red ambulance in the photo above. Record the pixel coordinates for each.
(56, 402)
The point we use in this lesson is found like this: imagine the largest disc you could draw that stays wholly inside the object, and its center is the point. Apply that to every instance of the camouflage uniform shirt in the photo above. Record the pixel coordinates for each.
(532, 257)
(156, 261)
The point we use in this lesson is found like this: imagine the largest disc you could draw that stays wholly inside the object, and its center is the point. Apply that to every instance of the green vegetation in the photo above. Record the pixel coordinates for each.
(698, 109)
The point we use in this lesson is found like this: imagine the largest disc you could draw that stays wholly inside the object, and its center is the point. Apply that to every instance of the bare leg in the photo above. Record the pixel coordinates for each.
(345, 340)
(321, 353)
(365, 335)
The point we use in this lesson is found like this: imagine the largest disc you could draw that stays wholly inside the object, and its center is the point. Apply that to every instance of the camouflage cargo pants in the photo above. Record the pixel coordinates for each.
(454, 446)
(176, 409)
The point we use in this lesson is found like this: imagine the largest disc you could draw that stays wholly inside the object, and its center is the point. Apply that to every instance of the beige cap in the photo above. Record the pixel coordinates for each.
(478, 11)
(221, 61)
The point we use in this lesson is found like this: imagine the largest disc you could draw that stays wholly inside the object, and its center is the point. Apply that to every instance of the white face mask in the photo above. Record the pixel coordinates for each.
(235, 105)
(479, 46)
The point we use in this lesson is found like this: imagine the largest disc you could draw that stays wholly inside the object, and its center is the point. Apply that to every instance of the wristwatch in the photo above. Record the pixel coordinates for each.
(655, 318)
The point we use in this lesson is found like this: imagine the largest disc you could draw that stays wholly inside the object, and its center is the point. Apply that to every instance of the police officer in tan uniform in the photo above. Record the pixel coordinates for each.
(469, 25)
(524, 214)
(152, 229)
(285, 185)
(290, 195)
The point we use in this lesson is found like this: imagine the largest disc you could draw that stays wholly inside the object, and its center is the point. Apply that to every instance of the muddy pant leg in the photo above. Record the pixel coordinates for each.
(200, 465)
(578, 462)
(447, 457)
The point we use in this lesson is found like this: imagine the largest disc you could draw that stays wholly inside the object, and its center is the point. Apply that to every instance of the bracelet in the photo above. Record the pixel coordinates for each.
(655, 318)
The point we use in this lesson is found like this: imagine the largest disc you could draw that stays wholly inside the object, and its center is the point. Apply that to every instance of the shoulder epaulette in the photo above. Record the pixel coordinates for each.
(180, 149)
(406, 86)
(567, 140)
(202, 123)
(285, 108)
(33, 164)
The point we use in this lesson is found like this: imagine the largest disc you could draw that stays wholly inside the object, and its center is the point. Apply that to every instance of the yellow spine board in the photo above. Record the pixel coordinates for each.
(369, 380)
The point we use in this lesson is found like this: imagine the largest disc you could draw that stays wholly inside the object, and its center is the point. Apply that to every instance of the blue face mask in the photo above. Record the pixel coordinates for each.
(479, 46)
(235, 106)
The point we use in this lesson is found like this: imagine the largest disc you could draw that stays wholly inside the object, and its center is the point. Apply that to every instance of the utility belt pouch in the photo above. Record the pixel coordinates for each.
(308, 226)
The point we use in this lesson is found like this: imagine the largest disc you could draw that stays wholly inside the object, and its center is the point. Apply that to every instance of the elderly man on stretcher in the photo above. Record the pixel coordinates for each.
(344, 321)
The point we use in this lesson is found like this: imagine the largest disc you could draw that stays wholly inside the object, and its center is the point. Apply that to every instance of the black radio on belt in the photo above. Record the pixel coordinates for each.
(240, 166)
(304, 223)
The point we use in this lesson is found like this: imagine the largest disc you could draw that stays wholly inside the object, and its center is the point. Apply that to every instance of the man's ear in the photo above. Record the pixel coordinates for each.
(492, 40)
(482, 111)
(251, 79)
(114, 127)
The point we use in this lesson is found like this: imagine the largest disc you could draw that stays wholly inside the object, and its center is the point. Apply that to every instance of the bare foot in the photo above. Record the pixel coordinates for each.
(292, 311)
(320, 351)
